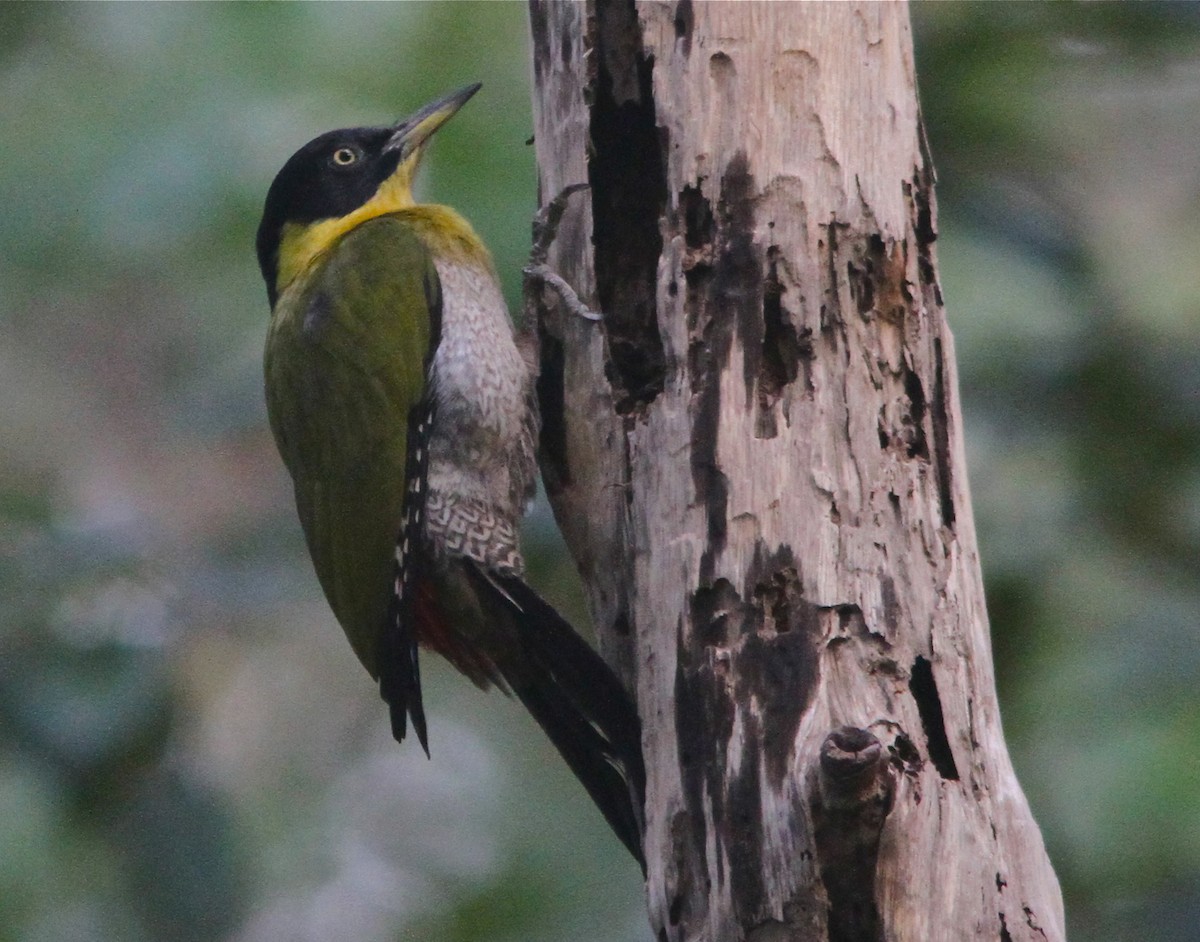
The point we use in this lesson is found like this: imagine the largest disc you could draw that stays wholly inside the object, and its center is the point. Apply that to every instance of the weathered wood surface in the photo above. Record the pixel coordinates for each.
(757, 463)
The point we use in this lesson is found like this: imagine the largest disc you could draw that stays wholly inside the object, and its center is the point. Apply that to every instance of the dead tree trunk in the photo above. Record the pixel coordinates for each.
(757, 462)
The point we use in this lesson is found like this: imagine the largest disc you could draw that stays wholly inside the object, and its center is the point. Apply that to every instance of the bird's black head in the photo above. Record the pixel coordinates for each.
(329, 177)
(335, 176)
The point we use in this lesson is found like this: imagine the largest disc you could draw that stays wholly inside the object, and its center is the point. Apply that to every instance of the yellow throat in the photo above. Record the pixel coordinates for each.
(447, 234)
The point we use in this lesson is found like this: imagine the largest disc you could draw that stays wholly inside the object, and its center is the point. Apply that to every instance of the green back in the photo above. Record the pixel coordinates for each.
(345, 362)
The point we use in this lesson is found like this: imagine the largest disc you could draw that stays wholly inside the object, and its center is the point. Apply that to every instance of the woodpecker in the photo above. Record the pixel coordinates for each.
(402, 403)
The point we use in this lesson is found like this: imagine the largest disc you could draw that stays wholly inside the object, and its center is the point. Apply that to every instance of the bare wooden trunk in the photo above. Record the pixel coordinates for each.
(757, 462)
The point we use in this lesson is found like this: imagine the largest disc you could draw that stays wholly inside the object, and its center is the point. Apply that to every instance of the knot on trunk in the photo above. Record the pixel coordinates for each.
(849, 808)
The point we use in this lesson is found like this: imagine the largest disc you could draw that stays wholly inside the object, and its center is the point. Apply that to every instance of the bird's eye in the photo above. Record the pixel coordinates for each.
(344, 157)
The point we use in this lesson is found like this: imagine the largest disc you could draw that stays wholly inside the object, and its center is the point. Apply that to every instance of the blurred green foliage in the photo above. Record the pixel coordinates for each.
(188, 751)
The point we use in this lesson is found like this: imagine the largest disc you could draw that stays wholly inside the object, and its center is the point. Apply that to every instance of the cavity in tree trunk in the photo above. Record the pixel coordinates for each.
(757, 462)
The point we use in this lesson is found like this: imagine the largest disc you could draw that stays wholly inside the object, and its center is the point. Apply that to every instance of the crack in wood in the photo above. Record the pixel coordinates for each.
(629, 194)
(551, 397)
(923, 686)
(941, 438)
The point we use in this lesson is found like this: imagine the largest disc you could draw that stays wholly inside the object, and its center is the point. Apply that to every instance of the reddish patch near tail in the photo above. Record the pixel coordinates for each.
(435, 632)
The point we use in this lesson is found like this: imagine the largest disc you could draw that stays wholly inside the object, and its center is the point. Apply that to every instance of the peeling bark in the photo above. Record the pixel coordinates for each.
(756, 460)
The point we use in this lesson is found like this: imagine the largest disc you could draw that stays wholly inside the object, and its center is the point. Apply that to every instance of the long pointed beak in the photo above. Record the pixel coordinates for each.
(411, 132)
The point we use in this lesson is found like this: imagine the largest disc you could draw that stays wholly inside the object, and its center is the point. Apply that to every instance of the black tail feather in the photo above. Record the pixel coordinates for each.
(400, 671)
(579, 702)
(398, 660)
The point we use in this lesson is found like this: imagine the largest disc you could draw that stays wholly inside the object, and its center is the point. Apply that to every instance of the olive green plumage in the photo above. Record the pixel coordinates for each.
(345, 363)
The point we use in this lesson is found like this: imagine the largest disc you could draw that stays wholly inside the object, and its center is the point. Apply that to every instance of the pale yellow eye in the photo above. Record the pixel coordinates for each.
(345, 156)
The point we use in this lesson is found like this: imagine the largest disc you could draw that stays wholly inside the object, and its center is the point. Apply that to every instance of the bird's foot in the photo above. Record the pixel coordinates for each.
(545, 228)
(547, 276)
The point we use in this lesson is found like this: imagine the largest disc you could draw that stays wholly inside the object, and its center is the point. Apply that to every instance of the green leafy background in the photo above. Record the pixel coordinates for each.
(188, 750)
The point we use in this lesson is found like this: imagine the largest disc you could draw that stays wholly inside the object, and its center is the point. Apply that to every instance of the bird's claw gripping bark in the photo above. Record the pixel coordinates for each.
(547, 276)
(545, 228)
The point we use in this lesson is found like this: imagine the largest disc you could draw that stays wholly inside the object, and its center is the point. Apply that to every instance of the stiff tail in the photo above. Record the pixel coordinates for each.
(579, 702)
(399, 665)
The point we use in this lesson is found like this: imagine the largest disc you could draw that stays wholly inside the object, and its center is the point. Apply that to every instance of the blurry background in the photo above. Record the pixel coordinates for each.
(188, 749)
